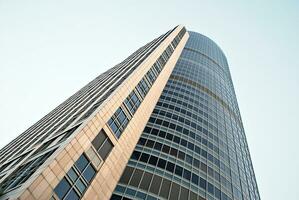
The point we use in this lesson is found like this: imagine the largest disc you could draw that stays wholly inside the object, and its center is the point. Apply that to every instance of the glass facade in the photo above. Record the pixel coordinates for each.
(194, 145)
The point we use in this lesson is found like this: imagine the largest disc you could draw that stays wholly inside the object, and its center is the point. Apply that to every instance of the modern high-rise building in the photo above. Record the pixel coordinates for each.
(162, 124)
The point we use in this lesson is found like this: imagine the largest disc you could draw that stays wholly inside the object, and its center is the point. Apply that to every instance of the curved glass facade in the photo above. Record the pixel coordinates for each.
(194, 145)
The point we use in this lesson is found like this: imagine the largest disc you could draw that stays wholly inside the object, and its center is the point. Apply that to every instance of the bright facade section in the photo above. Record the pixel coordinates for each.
(162, 124)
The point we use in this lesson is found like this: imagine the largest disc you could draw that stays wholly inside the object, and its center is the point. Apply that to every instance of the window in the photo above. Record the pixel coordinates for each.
(165, 188)
(170, 167)
(195, 179)
(178, 170)
(135, 180)
(162, 134)
(146, 180)
(126, 175)
(162, 163)
(175, 190)
(81, 163)
(118, 122)
(187, 174)
(203, 183)
(102, 144)
(132, 102)
(89, 173)
(72, 195)
(62, 188)
(144, 157)
(75, 182)
(155, 186)
(135, 155)
(106, 149)
(184, 193)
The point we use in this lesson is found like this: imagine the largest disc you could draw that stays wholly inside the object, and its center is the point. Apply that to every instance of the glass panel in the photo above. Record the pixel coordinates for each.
(136, 178)
(115, 197)
(146, 180)
(165, 188)
(155, 186)
(72, 175)
(62, 188)
(126, 175)
(178, 170)
(89, 173)
(81, 163)
(105, 149)
(99, 140)
(80, 186)
(72, 195)
(184, 193)
(113, 127)
(121, 117)
(175, 190)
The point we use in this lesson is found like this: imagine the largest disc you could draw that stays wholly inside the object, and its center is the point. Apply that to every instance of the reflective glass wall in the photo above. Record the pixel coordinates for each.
(194, 145)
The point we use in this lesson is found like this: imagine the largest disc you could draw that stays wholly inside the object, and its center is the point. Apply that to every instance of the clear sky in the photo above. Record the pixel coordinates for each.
(50, 49)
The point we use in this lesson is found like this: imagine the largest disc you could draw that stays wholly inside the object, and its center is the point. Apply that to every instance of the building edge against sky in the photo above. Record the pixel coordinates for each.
(174, 98)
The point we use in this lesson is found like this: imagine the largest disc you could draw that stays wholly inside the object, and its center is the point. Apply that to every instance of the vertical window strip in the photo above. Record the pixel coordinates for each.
(125, 112)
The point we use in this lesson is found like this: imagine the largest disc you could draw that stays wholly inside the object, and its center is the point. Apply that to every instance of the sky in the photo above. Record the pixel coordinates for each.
(50, 49)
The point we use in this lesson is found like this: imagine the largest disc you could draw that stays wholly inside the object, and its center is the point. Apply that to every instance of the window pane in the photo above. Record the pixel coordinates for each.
(146, 180)
(155, 186)
(62, 188)
(170, 167)
(184, 193)
(162, 163)
(175, 190)
(72, 175)
(121, 117)
(105, 149)
(136, 178)
(165, 188)
(99, 139)
(178, 170)
(81, 162)
(126, 175)
(113, 127)
(72, 195)
(80, 186)
(89, 173)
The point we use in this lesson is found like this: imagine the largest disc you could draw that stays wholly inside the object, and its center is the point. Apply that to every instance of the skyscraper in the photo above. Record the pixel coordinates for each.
(162, 124)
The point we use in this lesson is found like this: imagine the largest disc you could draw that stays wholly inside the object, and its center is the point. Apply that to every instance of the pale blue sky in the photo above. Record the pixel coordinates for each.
(50, 49)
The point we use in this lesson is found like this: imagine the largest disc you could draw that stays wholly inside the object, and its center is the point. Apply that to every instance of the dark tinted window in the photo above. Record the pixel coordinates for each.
(170, 167)
(145, 182)
(135, 180)
(175, 189)
(72, 195)
(155, 186)
(81, 163)
(105, 150)
(178, 170)
(62, 188)
(184, 193)
(144, 157)
(126, 175)
(89, 173)
(99, 140)
(162, 163)
(165, 188)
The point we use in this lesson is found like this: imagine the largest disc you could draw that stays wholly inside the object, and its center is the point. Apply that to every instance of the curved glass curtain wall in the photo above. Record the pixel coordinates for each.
(194, 145)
